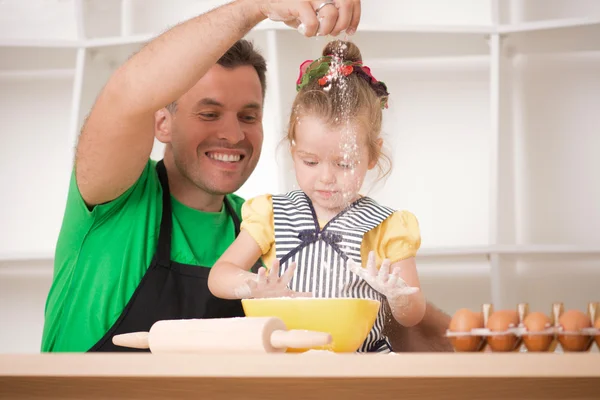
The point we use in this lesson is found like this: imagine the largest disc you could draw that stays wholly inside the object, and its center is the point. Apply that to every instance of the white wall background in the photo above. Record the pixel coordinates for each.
(493, 127)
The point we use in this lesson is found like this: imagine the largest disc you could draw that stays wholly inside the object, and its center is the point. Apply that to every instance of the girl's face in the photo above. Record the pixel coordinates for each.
(330, 162)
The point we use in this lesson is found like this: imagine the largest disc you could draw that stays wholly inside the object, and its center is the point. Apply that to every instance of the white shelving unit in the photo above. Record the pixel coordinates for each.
(493, 128)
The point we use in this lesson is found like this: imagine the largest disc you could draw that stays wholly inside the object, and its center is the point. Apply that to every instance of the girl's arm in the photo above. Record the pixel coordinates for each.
(229, 277)
(407, 309)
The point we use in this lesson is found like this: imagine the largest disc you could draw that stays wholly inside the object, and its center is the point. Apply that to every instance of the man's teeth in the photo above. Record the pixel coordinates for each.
(225, 157)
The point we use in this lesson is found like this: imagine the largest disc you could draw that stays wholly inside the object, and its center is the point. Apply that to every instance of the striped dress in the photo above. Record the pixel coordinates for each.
(321, 254)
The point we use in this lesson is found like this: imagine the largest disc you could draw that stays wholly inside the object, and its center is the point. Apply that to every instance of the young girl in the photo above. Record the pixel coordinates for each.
(327, 239)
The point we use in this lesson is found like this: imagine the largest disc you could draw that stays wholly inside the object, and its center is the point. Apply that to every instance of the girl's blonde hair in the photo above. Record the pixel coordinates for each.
(347, 99)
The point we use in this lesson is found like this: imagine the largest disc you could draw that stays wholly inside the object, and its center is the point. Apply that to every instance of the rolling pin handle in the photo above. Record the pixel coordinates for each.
(135, 340)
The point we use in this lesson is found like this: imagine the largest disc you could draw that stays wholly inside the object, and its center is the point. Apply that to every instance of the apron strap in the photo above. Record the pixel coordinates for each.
(163, 251)
(234, 216)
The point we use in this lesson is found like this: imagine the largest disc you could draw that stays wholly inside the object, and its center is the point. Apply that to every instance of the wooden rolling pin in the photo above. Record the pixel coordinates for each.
(240, 335)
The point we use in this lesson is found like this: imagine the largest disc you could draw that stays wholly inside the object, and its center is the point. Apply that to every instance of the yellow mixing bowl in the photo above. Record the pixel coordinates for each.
(348, 320)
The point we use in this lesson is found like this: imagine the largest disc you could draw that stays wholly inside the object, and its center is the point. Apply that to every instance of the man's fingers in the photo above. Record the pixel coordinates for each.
(295, 23)
(309, 24)
(343, 20)
(327, 17)
(355, 17)
(332, 19)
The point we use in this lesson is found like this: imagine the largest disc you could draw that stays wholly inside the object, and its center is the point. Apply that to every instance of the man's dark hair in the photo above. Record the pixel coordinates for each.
(240, 54)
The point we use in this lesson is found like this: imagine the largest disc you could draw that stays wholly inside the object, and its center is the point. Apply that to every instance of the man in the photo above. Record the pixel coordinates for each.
(138, 237)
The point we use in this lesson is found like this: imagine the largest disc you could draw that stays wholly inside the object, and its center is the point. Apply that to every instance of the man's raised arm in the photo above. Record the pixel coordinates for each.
(118, 136)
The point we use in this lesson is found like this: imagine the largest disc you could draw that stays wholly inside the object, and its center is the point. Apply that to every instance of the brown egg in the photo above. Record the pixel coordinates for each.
(597, 337)
(463, 321)
(500, 321)
(537, 322)
(573, 321)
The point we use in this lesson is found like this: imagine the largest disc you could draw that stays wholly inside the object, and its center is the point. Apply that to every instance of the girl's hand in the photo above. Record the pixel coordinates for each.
(331, 19)
(270, 284)
(391, 285)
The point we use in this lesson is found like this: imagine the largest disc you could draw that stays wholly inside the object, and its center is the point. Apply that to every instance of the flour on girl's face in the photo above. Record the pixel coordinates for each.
(330, 166)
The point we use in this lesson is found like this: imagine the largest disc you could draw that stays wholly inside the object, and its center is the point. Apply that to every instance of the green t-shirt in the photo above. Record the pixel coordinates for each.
(102, 255)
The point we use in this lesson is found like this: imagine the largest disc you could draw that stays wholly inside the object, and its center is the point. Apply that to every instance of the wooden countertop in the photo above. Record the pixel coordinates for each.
(302, 376)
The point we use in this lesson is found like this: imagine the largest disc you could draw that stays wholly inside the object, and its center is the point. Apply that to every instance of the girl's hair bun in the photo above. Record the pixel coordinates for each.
(347, 51)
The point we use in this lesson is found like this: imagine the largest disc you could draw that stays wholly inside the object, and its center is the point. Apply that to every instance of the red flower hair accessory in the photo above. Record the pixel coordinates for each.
(328, 68)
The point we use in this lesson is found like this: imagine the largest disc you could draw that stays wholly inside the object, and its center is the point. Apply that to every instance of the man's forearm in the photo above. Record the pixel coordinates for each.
(427, 336)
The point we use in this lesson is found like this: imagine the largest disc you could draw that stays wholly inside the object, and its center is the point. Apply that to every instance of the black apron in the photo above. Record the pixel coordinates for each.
(170, 290)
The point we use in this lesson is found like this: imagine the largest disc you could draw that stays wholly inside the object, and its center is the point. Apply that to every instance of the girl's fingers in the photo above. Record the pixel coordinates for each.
(262, 277)
(372, 264)
(288, 274)
(274, 272)
(392, 282)
(384, 271)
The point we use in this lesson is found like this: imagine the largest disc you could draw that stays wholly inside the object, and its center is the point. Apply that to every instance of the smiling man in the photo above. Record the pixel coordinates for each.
(139, 237)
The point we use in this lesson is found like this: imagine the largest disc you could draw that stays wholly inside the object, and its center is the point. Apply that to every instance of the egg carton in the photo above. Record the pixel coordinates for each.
(522, 331)
(516, 335)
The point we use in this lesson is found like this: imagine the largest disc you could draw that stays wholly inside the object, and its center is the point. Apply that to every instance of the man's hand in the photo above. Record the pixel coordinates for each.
(391, 285)
(313, 18)
(429, 335)
(270, 284)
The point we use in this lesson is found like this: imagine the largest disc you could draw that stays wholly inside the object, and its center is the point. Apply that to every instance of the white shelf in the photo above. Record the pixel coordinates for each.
(543, 250)
(118, 41)
(428, 64)
(40, 43)
(536, 26)
(37, 74)
(6, 258)
(511, 250)
(555, 38)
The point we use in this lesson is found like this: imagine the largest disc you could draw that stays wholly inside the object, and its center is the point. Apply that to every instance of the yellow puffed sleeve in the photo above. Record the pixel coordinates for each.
(396, 238)
(257, 220)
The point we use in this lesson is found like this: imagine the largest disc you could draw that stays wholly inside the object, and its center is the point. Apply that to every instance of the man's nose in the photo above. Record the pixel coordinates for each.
(231, 130)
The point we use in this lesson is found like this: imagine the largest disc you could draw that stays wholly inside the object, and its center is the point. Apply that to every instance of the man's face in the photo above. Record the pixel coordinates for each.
(216, 131)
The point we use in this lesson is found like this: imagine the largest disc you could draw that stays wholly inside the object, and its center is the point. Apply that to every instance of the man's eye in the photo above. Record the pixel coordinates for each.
(249, 118)
(208, 115)
(310, 163)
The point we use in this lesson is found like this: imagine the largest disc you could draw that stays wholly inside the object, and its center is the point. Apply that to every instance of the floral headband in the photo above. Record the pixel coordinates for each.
(322, 70)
